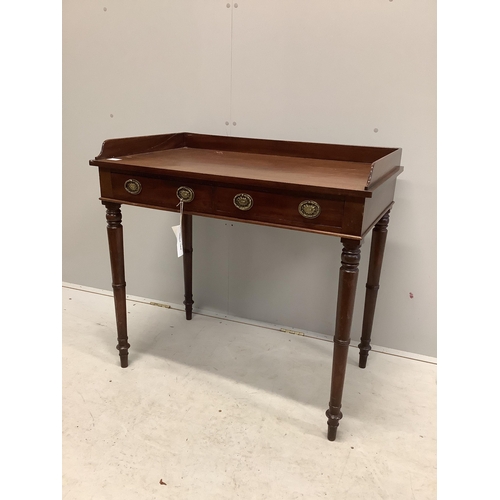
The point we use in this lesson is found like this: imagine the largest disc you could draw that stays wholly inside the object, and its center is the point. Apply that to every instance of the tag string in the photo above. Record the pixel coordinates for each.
(181, 209)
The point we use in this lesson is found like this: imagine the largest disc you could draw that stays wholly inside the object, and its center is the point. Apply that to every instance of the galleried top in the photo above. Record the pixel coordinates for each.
(355, 170)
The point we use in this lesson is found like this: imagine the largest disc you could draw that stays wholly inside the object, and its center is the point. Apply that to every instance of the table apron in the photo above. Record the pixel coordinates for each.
(325, 214)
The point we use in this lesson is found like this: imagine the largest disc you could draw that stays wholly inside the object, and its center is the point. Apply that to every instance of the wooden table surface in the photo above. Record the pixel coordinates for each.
(206, 163)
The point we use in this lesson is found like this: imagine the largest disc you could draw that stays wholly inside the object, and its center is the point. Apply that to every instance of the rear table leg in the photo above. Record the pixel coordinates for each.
(187, 258)
(379, 236)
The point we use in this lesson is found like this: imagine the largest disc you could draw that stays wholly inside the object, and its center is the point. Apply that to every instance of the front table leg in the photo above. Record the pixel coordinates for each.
(379, 236)
(115, 240)
(348, 278)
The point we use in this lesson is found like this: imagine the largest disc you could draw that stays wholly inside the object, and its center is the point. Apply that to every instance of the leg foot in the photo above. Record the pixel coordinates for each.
(124, 360)
(333, 422)
(363, 358)
(123, 347)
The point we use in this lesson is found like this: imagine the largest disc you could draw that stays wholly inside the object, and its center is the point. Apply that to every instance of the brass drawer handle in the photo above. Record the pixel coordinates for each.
(309, 209)
(185, 194)
(243, 201)
(133, 186)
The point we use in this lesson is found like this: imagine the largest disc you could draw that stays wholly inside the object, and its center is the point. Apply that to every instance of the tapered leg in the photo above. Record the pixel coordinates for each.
(379, 236)
(115, 240)
(187, 257)
(345, 305)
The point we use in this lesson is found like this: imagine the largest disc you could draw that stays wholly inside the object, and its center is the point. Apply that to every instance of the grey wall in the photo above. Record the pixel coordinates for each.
(316, 70)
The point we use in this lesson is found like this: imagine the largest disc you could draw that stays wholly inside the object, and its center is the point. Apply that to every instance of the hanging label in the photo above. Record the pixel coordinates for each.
(178, 233)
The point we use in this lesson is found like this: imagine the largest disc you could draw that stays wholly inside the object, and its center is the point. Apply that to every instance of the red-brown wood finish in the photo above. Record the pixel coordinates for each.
(115, 240)
(350, 189)
(379, 237)
(187, 259)
(348, 278)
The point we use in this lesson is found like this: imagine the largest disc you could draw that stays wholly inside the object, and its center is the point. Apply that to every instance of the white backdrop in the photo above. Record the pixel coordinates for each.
(339, 71)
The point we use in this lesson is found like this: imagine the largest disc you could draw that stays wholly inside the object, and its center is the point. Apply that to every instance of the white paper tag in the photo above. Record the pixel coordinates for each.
(178, 233)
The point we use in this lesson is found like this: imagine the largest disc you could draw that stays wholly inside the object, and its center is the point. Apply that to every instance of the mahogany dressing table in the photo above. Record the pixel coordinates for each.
(340, 190)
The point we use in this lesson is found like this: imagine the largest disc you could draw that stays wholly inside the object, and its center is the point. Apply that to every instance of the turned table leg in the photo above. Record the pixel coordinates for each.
(345, 305)
(187, 258)
(115, 240)
(379, 236)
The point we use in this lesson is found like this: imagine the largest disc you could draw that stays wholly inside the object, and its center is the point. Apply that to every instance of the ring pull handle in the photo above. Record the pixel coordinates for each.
(309, 209)
(133, 186)
(243, 201)
(185, 194)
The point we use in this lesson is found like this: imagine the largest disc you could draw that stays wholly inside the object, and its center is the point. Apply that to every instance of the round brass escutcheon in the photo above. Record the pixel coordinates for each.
(243, 201)
(185, 194)
(309, 209)
(133, 186)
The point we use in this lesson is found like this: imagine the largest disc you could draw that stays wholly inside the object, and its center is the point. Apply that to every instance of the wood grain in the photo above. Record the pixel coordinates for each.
(242, 167)
(224, 159)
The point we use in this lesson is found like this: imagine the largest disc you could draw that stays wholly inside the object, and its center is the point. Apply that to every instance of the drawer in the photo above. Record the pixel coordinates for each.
(297, 210)
(160, 193)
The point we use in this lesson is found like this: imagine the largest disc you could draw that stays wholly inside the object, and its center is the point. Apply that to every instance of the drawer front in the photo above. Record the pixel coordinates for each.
(290, 209)
(161, 193)
(287, 209)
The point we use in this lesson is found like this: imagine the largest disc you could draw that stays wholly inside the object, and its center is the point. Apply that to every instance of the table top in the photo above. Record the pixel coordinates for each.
(332, 189)
(291, 165)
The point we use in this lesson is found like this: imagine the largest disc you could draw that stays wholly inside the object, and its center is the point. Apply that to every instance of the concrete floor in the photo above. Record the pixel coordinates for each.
(217, 409)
